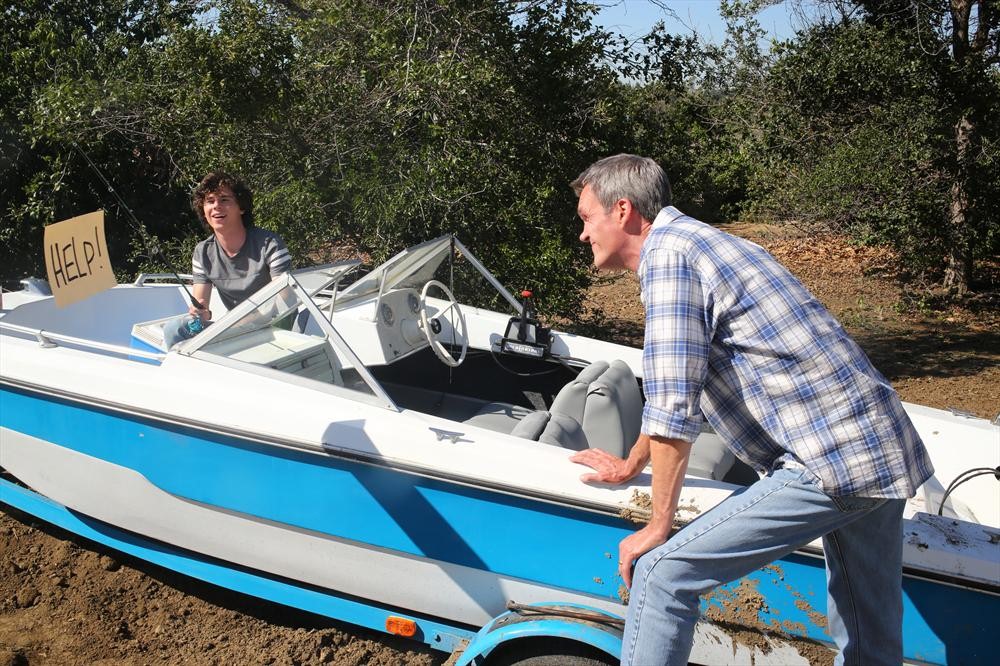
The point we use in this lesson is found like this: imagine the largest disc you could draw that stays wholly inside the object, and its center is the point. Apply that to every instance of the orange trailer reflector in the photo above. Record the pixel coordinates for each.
(400, 626)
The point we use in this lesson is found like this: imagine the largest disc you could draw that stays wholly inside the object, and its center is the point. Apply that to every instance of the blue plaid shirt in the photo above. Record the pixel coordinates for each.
(731, 334)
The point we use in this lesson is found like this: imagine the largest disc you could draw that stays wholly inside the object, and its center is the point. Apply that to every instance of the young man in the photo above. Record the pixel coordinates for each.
(237, 259)
(731, 334)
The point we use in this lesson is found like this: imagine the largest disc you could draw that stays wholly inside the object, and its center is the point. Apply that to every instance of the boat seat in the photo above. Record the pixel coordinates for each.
(601, 408)
(499, 416)
(496, 416)
(710, 457)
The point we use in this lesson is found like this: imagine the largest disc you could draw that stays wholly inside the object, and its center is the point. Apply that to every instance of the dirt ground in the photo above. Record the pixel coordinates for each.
(67, 601)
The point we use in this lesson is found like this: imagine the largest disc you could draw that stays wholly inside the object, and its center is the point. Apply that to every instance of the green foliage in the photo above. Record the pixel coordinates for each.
(852, 128)
(377, 125)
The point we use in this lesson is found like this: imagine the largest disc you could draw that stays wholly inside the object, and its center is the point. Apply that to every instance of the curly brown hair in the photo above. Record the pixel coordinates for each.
(215, 181)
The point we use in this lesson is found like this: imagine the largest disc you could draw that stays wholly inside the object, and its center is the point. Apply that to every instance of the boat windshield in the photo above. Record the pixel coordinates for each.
(444, 259)
(281, 329)
(414, 265)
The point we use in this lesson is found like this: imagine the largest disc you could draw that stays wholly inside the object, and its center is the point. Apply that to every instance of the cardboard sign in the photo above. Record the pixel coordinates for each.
(76, 258)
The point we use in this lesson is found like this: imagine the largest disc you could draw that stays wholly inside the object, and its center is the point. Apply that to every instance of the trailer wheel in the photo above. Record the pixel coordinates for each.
(548, 652)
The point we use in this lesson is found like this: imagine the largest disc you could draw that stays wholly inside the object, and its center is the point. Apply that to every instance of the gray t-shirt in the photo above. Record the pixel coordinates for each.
(262, 258)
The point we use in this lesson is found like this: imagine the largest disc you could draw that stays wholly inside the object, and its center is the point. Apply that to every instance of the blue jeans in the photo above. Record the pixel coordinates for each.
(862, 542)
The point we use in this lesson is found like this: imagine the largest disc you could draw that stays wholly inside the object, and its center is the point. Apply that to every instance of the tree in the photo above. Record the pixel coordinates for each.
(57, 57)
(369, 124)
(874, 119)
(967, 36)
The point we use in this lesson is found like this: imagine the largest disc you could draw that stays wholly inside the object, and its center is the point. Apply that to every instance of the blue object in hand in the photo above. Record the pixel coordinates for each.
(194, 326)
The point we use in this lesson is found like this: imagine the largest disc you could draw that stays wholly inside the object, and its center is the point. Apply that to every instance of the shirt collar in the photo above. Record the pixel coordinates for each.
(666, 215)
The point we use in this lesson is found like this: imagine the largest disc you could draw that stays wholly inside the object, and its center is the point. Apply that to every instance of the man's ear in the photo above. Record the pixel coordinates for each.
(622, 210)
(627, 216)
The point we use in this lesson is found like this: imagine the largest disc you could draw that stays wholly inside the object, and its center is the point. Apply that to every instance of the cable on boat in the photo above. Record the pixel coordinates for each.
(563, 361)
(966, 476)
(500, 365)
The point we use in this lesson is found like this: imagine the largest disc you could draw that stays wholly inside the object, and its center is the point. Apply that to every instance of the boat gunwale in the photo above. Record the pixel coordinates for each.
(48, 338)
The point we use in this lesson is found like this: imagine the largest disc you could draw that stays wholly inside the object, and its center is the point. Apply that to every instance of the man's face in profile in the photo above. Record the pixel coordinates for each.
(602, 229)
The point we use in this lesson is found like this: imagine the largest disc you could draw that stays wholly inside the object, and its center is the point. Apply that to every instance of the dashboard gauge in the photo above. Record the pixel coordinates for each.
(413, 302)
(388, 317)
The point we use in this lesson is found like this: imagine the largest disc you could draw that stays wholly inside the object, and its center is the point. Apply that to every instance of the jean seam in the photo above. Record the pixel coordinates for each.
(723, 519)
(849, 591)
(638, 617)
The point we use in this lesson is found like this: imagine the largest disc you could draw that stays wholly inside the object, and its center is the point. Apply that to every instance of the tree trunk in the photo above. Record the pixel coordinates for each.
(958, 272)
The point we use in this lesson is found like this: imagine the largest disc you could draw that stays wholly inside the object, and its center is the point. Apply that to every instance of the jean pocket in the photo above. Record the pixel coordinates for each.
(850, 503)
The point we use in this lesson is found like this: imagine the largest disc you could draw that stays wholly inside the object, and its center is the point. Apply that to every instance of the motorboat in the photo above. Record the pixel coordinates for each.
(391, 448)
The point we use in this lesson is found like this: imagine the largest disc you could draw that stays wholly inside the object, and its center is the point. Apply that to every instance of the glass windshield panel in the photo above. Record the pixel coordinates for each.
(414, 267)
(281, 333)
(317, 278)
(470, 287)
(403, 269)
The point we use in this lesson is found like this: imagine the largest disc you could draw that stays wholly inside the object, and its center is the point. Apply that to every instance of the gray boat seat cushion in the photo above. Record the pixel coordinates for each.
(531, 426)
(710, 457)
(600, 408)
(500, 417)
(612, 416)
(552, 428)
(564, 431)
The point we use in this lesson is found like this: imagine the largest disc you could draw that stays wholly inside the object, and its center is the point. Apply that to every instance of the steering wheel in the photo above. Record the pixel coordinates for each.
(431, 326)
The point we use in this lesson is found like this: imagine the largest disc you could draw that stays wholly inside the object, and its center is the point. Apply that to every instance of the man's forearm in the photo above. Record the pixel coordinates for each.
(670, 458)
(202, 292)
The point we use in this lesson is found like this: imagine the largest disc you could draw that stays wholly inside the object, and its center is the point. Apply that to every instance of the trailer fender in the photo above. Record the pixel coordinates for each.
(561, 625)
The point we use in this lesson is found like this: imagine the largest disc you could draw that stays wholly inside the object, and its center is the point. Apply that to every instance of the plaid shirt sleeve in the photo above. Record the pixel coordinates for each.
(679, 331)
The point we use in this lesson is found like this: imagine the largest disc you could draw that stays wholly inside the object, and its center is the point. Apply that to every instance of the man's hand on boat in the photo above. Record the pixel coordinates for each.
(610, 468)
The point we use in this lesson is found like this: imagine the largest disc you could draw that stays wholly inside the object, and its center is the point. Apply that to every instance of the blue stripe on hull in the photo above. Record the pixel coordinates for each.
(440, 636)
(342, 498)
(569, 548)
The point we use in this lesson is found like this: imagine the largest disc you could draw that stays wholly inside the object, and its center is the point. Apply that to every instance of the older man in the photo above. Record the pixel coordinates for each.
(731, 334)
